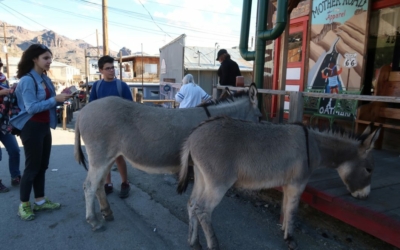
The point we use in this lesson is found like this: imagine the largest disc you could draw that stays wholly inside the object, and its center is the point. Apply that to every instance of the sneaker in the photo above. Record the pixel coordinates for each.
(108, 187)
(25, 211)
(125, 188)
(3, 189)
(47, 205)
(15, 181)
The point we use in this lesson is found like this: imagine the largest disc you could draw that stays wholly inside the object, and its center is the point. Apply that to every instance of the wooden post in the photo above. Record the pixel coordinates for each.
(120, 65)
(134, 94)
(105, 28)
(6, 52)
(64, 121)
(296, 107)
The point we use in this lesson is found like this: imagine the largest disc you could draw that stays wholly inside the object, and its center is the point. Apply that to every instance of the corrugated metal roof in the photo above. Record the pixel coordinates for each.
(207, 57)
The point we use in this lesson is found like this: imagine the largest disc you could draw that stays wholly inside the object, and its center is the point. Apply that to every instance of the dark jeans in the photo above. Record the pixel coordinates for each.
(10, 143)
(36, 138)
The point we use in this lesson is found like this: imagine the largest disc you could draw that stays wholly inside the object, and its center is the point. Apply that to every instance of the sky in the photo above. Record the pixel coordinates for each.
(135, 24)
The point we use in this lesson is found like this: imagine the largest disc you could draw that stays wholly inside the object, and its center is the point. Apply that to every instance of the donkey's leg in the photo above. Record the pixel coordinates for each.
(105, 209)
(90, 187)
(293, 193)
(211, 196)
(193, 220)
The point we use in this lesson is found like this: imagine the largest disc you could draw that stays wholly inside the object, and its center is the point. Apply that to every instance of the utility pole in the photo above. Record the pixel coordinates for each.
(5, 50)
(97, 38)
(105, 28)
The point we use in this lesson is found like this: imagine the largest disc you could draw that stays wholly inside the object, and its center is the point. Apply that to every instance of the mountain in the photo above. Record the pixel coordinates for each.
(64, 49)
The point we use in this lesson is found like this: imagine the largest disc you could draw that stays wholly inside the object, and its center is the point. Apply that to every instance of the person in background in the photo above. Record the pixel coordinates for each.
(9, 141)
(229, 69)
(109, 87)
(37, 100)
(190, 94)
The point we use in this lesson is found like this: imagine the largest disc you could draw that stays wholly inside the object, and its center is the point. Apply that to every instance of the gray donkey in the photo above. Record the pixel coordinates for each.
(150, 138)
(227, 152)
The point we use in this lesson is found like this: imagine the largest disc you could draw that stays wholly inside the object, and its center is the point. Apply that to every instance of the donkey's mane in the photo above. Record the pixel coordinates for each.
(224, 99)
(335, 132)
(340, 132)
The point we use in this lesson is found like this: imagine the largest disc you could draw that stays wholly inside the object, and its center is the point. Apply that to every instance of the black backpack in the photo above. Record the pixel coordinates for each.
(9, 108)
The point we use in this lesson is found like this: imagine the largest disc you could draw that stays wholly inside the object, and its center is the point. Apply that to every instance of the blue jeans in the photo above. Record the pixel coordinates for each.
(10, 143)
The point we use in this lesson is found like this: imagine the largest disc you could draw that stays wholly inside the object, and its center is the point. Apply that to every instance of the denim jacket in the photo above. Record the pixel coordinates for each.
(31, 102)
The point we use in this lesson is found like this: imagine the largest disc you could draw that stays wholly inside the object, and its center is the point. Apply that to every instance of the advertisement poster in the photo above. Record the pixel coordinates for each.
(337, 48)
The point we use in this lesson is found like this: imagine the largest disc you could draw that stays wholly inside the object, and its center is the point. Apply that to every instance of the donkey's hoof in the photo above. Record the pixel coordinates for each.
(196, 246)
(99, 228)
(109, 217)
(292, 245)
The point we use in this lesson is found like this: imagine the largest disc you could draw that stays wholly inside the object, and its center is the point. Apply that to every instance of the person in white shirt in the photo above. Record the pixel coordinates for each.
(190, 94)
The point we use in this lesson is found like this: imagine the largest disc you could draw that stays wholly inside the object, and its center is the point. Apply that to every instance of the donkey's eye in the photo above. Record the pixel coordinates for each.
(369, 170)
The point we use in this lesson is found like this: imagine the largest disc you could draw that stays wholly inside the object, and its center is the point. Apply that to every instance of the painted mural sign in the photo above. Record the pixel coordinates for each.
(337, 47)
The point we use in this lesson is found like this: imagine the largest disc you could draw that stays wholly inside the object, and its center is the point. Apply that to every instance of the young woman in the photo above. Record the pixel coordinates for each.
(9, 141)
(37, 101)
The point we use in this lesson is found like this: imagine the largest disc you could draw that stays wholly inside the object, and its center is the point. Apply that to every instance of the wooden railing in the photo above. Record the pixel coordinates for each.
(296, 99)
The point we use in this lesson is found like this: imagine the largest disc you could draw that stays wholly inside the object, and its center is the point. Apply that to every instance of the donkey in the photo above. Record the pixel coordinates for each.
(227, 152)
(150, 138)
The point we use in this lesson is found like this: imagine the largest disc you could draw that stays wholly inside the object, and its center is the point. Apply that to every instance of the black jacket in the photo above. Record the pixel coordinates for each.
(228, 71)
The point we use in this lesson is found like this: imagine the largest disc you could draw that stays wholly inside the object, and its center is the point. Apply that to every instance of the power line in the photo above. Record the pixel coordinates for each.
(129, 14)
(153, 19)
(122, 25)
(24, 16)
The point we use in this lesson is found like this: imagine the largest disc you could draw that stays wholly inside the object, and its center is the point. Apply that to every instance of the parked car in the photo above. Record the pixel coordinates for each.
(13, 80)
(82, 96)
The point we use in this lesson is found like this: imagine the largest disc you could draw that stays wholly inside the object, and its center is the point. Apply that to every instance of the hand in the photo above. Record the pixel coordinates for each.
(62, 97)
(4, 92)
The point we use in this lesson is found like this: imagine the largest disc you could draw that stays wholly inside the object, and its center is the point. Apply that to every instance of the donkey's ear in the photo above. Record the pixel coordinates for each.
(367, 130)
(369, 142)
(253, 93)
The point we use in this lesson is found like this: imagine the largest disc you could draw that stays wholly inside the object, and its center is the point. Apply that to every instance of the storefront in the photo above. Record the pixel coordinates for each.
(338, 46)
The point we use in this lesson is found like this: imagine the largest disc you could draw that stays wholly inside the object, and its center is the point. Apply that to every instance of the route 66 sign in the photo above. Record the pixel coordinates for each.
(350, 60)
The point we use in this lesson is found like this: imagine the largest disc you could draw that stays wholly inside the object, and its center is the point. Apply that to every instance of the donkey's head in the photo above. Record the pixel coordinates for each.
(246, 103)
(356, 172)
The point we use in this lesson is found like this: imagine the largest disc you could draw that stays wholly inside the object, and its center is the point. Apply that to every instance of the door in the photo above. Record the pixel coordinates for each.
(295, 59)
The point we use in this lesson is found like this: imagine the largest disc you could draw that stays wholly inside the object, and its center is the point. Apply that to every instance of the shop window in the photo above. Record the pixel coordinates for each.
(295, 42)
(383, 41)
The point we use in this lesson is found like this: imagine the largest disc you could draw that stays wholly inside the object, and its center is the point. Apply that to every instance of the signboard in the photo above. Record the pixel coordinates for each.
(94, 68)
(337, 47)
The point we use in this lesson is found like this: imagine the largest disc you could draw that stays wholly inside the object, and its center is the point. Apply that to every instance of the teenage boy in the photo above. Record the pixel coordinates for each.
(110, 86)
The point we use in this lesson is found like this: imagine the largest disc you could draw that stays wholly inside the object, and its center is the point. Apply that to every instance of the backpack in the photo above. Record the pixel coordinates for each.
(119, 87)
(9, 108)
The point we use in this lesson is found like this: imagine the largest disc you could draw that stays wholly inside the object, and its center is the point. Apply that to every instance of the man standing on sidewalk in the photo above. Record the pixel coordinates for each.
(110, 86)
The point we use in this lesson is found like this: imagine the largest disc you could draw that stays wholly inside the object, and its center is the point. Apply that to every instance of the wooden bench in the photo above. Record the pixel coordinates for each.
(385, 114)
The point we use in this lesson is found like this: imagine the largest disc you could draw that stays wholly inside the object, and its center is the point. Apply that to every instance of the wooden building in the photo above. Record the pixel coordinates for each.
(138, 68)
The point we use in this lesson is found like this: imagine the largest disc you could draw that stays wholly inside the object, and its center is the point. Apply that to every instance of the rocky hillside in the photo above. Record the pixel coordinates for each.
(64, 50)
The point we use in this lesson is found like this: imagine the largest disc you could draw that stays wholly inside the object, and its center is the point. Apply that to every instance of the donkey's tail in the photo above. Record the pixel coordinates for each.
(79, 156)
(184, 172)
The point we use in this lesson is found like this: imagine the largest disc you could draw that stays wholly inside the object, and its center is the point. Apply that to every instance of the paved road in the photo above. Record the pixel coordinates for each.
(153, 217)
